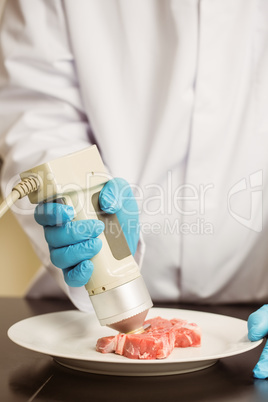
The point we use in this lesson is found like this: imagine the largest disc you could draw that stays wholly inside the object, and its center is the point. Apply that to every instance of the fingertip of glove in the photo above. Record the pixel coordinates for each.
(254, 332)
(69, 211)
(86, 269)
(258, 324)
(65, 212)
(252, 337)
(53, 214)
(110, 197)
(97, 244)
(108, 203)
(79, 275)
(260, 371)
(98, 227)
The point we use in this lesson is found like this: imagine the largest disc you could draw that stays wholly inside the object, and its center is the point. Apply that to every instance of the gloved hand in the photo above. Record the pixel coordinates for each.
(258, 329)
(73, 243)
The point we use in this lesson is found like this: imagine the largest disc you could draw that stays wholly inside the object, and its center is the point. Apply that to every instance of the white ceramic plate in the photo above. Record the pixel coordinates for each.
(70, 338)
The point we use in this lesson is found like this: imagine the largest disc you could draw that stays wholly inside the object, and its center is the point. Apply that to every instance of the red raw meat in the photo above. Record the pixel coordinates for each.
(157, 342)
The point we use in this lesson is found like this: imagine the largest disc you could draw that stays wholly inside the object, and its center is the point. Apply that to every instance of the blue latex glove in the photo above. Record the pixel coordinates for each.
(73, 243)
(117, 197)
(258, 329)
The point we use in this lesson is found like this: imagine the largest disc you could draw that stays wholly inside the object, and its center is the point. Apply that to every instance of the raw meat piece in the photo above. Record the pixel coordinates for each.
(145, 346)
(157, 342)
(106, 344)
(187, 335)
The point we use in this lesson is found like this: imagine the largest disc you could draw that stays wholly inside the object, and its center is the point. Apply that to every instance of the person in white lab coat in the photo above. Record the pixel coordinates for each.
(174, 93)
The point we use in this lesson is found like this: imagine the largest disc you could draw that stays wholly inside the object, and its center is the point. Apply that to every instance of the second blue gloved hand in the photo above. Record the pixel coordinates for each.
(117, 197)
(258, 329)
(73, 243)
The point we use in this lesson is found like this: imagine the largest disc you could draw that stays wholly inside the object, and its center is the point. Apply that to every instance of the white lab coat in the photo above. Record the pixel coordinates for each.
(175, 95)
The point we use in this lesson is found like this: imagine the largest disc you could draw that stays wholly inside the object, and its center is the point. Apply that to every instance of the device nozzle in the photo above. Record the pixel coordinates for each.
(132, 324)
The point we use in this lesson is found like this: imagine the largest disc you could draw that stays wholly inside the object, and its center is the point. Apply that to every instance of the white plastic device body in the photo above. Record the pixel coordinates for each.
(116, 287)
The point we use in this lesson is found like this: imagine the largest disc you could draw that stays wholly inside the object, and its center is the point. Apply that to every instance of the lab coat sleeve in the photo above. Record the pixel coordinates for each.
(41, 111)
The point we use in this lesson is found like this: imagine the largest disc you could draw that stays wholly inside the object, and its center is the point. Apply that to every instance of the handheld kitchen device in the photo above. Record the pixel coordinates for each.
(116, 288)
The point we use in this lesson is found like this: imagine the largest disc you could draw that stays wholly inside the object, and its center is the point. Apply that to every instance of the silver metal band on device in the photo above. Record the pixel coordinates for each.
(122, 302)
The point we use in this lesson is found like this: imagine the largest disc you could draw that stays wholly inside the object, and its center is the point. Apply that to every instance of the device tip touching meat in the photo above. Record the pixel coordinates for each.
(116, 288)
